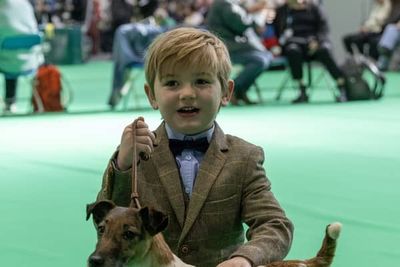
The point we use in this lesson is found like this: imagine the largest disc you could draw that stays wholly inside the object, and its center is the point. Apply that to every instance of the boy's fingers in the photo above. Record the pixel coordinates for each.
(144, 140)
(148, 133)
(143, 132)
(141, 124)
(145, 151)
(153, 138)
(145, 145)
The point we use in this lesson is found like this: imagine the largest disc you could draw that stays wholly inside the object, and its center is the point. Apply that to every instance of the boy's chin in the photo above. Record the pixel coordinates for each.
(191, 129)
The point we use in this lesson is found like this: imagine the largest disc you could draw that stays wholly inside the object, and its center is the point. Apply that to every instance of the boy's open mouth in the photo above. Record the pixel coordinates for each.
(188, 110)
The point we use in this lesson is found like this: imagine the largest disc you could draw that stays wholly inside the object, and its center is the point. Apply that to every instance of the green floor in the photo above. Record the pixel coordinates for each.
(327, 162)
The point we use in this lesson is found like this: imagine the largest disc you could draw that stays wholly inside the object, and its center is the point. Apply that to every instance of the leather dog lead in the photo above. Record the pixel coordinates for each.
(135, 194)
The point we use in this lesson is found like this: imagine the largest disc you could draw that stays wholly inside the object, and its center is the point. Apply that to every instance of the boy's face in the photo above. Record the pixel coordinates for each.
(188, 98)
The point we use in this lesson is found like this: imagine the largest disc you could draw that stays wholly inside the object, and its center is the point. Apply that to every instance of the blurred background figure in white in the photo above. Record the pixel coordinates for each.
(16, 18)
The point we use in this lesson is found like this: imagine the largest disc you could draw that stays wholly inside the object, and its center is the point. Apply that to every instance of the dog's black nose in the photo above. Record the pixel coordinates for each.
(96, 261)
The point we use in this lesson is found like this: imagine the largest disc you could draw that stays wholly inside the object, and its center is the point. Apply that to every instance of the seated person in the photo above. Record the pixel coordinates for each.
(16, 18)
(371, 29)
(239, 30)
(302, 29)
(130, 44)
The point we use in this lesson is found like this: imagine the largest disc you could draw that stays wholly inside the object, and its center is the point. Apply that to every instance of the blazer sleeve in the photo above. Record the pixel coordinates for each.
(270, 231)
(116, 184)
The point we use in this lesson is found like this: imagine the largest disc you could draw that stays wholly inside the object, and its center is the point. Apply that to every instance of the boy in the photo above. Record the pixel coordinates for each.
(209, 189)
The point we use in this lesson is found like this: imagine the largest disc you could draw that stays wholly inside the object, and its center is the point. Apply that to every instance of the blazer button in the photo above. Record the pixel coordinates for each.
(185, 249)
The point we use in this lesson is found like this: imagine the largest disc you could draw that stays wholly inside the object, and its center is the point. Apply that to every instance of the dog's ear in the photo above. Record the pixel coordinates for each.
(154, 221)
(99, 210)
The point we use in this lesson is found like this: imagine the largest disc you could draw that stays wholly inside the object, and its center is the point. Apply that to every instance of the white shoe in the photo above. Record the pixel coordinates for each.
(10, 108)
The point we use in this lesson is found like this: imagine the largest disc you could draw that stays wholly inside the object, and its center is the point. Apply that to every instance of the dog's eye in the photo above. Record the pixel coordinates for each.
(101, 230)
(129, 235)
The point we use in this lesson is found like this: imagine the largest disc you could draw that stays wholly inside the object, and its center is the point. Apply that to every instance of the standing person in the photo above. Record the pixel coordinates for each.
(209, 183)
(17, 18)
(239, 30)
(371, 29)
(302, 28)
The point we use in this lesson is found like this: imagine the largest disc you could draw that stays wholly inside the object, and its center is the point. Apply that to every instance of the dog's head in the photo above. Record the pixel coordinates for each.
(123, 234)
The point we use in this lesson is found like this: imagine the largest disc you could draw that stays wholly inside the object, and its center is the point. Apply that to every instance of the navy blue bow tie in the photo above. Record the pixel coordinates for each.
(177, 146)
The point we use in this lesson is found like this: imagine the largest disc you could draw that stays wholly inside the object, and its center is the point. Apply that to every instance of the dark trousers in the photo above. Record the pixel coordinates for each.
(11, 90)
(297, 54)
(254, 63)
(360, 40)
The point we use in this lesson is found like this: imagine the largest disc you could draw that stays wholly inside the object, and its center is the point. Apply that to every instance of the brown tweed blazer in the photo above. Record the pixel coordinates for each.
(231, 188)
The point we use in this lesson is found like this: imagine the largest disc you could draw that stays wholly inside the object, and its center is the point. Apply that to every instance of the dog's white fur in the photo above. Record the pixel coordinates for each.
(334, 230)
(159, 255)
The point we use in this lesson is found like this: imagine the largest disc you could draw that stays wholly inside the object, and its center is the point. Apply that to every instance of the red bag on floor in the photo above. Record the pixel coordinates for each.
(47, 91)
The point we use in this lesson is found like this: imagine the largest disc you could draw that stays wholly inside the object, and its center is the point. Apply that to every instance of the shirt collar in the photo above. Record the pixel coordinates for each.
(176, 135)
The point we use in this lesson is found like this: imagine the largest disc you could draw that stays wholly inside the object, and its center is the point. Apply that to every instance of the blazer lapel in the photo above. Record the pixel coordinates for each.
(210, 167)
(165, 165)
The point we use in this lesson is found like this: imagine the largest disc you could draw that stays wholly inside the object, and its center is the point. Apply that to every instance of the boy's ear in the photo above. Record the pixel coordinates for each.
(150, 96)
(226, 97)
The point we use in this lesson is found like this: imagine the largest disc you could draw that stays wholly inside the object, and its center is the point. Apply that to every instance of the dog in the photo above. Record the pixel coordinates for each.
(130, 237)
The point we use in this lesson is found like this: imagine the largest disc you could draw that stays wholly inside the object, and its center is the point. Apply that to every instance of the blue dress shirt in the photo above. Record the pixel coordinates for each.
(189, 161)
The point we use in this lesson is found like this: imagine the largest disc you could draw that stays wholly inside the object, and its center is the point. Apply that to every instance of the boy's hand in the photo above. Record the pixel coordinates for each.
(235, 262)
(144, 144)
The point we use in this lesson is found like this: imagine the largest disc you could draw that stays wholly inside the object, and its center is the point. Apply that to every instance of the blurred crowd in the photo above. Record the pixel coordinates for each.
(256, 32)
(100, 18)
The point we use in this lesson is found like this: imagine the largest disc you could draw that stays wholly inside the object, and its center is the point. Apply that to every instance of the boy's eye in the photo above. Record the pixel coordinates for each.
(171, 83)
(202, 81)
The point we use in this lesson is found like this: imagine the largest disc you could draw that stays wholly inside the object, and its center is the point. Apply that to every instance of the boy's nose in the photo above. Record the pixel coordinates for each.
(188, 92)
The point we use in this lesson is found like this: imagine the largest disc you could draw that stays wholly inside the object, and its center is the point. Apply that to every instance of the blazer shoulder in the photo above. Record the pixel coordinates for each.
(237, 143)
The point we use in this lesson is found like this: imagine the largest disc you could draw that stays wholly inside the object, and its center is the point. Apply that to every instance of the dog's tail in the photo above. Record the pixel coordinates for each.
(327, 252)
(324, 256)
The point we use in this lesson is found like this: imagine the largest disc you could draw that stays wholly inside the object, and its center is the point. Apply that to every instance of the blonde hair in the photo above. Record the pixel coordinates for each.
(191, 47)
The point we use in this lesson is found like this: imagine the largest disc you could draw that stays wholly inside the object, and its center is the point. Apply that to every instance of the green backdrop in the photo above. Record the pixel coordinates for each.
(327, 162)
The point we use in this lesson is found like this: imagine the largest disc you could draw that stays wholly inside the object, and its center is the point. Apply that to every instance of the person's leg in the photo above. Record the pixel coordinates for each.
(356, 39)
(254, 63)
(324, 55)
(10, 93)
(388, 42)
(295, 56)
(384, 58)
(129, 46)
(372, 41)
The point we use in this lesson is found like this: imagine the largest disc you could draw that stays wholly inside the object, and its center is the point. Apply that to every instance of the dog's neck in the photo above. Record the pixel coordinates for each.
(158, 255)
